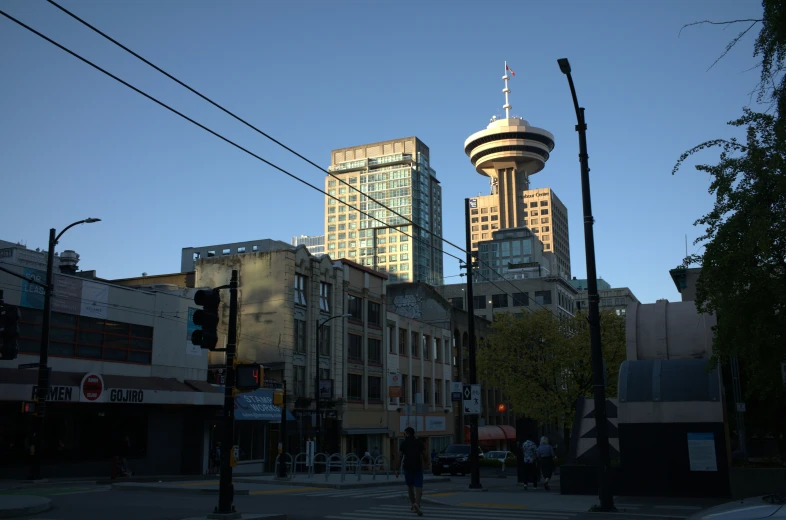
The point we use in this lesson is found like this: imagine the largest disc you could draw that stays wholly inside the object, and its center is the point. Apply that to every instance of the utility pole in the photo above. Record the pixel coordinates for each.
(226, 491)
(598, 373)
(474, 482)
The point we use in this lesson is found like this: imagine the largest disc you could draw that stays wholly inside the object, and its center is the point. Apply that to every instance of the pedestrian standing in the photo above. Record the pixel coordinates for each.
(546, 457)
(530, 457)
(415, 460)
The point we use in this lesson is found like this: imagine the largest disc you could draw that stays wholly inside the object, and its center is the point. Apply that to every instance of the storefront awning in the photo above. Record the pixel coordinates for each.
(78, 387)
(258, 406)
(366, 431)
(503, 432)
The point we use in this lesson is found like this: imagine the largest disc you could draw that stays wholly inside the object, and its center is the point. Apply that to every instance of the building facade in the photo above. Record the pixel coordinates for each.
(419, 374)
(615, 299)
(191, 255)
(514, 253)
(315, 244)
(398, 175)
(552, 293)
(122, 367)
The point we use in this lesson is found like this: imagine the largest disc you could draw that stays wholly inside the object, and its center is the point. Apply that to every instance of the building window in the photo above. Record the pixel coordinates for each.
(402, 342)
(84, 337)
(496, 217)
(427, 390)
(355, 387)
(543, 297)
(374, 314)
(544, 203)
(415, 387)
(226, 252)
(533, 204)
(437, 350)
(479, 302)
(355, 348)
(211, 254)
(300, 336)
(544, 212)
(300, 289)
(355, 307)
(374, 351)
(483, 211)
(437, 392)
(324, 341)
(374, 389)
(391, 341)
(324, 297)
(425, 340)
(299, 377)
(521, 299)
(404, 387)
(457, 302)
(499, 301)
(544, 220)
(414, 344)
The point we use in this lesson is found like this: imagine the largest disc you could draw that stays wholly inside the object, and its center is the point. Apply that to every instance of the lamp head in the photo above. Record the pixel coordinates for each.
(91, 220)
(564, 65)
(346, 315)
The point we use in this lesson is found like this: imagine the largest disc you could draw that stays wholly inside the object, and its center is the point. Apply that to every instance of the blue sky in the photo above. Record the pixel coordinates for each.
(324, 75)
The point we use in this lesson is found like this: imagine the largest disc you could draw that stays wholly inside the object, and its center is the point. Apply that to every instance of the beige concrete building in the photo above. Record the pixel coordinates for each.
(397, 174)
(552, 293)
(419, 374)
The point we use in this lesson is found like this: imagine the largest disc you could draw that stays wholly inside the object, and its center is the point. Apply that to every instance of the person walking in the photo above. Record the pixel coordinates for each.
(530, 457)
(415, 460)
(546, 457)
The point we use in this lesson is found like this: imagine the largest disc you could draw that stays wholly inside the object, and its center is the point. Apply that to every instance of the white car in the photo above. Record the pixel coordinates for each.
(499, 455)
(771, 507)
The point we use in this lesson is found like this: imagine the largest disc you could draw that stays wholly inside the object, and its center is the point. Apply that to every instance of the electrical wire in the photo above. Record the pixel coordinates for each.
(246, 123)
(225, 139)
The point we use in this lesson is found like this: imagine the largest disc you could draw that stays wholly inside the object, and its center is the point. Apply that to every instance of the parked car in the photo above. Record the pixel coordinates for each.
(499, 456)
(768, 506)
(454, 460)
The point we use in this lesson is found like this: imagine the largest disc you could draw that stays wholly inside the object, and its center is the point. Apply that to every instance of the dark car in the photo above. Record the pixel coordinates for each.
(454, 460)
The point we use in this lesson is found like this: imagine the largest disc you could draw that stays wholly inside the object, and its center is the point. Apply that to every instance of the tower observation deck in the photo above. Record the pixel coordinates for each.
(509, 151)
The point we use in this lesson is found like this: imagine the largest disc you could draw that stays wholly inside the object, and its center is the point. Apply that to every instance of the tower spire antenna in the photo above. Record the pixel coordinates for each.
(506, 90)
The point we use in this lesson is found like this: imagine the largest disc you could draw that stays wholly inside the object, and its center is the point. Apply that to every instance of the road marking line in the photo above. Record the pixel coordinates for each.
(198, 483)
(277, 491)
(494, 506)
(439, 495)
(687, 508)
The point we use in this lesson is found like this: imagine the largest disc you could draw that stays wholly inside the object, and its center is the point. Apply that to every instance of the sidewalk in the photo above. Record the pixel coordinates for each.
(12, 506)
(265, 484)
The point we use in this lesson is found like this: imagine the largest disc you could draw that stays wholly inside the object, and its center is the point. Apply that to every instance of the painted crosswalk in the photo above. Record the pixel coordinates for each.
(396, 512)
(337, 493)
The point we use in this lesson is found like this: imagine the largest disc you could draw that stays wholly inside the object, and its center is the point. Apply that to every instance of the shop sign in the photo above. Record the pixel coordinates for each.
(435, 423)
(394, 385)
(126, 396)
(91, 388)
(56, 393)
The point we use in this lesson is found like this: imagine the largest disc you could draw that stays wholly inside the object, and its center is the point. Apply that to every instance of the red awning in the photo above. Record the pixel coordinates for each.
(503, 432)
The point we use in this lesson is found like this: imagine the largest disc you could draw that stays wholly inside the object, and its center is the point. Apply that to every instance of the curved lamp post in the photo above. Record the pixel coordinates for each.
(43, 356)
(316, 376)
(601, 423)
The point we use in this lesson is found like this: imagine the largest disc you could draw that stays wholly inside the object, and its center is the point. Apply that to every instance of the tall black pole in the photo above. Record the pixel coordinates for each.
(43, 358)
(601, 423)
(317, 410)
(474, 482)
(226, 491)
(282, 464)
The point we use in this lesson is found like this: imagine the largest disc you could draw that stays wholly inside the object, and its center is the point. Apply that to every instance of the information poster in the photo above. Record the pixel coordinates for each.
(701, 450)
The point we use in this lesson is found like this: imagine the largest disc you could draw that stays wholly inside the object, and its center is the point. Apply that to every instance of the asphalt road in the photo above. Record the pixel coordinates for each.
(77, 502)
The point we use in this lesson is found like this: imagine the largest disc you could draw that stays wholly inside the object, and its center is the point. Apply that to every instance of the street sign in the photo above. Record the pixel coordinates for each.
(471, 395)
(455, 391)
(741, 407)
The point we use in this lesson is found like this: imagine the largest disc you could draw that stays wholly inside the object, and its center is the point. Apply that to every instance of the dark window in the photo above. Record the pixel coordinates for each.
(374, 350)
(544, 203)
(324, 297)
(457, 302)
(499, 301)
(533, 204)
(543, 297)
(355, 351)
(427, 390)
(84, 337)
(374, 314)
(324, 340)
(544, 212)
(404, 389)
(402, 341)
(426, 340)
(355, 307)
(299, 380)
(300, 336)
(354, 387)
(414, 343)
(300, 289)
(520, 299)
(496, 217)
(374, 389)
(479, 302)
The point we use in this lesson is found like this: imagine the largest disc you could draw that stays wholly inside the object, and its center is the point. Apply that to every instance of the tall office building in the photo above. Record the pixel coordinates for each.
(398, 175)
(509, 151)
(314, 244)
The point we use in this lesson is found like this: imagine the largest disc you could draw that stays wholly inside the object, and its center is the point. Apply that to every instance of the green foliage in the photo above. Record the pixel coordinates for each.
(543, 364)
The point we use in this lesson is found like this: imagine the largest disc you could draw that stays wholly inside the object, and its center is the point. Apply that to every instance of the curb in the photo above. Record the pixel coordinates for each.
(40, 505)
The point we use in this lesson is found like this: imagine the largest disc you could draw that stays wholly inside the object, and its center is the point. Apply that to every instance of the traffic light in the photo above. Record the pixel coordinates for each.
(28, 408)
(207, 318)
(501, 407)
(248, 376)
(9, 321)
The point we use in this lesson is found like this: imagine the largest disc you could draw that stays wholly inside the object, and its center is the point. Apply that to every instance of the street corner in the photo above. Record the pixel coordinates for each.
(14, 506)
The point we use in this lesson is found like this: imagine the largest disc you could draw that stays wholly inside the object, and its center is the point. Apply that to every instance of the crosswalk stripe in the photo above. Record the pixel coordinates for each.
(391, 512)
(686, 508)
(500, 511)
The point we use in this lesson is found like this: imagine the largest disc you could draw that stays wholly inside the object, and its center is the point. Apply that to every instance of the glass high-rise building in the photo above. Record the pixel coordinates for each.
(398, 175)
(315, 244)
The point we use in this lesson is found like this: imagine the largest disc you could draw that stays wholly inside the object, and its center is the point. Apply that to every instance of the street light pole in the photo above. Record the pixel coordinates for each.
(474, 480)
(316, 379)
(43, 354)
(601, 423)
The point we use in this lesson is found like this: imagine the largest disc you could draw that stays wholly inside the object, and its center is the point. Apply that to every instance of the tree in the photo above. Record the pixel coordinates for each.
(543, 364)
(743, 276)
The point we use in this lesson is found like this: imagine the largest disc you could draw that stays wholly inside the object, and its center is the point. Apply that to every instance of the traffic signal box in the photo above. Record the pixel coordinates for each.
(207, 317)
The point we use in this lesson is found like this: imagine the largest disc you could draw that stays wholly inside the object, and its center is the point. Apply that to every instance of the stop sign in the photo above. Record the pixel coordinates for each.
(92, 387)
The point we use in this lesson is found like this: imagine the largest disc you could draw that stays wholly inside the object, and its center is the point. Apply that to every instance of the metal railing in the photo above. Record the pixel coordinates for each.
(349, 464)
(331, 463)
(289, 462)
(350, 460)
(386, 467)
